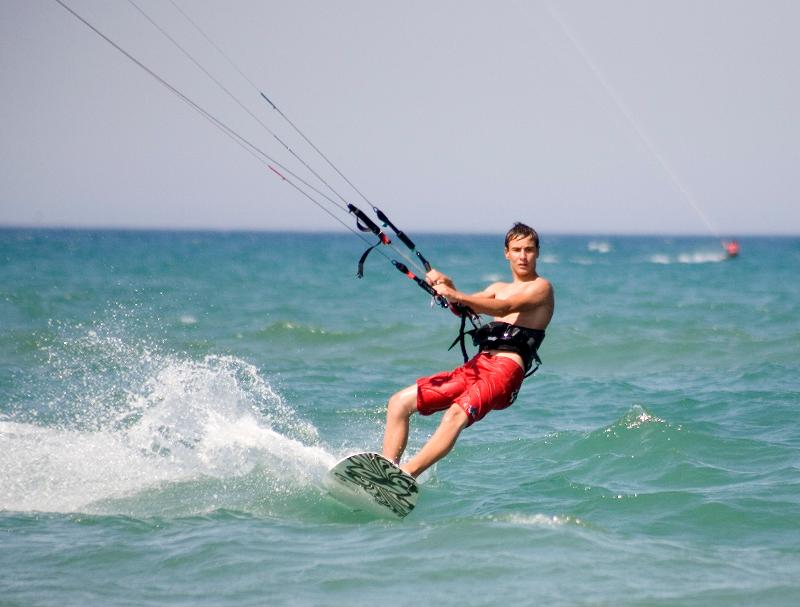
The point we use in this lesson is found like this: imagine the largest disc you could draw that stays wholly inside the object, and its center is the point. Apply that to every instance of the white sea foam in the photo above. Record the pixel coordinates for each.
(660, 258)
(696, 257)
(54, 469)
(702, 257)
(189, 420)
(599, 246)
(540, 520)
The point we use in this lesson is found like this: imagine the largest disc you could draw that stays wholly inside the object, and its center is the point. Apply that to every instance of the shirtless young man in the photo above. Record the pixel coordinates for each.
(522, 309)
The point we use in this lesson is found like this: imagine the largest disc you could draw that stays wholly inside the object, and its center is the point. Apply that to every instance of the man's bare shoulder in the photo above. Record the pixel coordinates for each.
(541, 284)
(536, 291)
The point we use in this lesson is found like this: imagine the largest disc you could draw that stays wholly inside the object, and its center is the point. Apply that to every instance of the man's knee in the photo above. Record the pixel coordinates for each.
(403, 403)
(455, 417)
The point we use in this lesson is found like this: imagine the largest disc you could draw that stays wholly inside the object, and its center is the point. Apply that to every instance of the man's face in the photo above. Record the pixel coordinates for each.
(522, 254)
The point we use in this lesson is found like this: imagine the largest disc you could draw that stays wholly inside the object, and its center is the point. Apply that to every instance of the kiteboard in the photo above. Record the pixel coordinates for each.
(371, 483)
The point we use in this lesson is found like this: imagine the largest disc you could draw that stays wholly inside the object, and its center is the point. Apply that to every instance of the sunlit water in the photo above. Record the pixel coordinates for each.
(170, 403)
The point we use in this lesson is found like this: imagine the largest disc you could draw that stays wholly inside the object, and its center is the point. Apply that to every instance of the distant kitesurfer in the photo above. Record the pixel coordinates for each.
(731, 248)
(490, 380)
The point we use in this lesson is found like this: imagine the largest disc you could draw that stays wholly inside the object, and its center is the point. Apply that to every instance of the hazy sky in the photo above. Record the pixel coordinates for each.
(660, 116)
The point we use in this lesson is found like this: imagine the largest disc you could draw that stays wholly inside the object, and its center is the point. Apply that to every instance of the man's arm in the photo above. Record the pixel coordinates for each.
(441, 281)
(538, 293)
(531, 297)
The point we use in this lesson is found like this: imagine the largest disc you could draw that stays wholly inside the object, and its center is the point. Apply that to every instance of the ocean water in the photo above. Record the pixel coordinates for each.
(170, 402)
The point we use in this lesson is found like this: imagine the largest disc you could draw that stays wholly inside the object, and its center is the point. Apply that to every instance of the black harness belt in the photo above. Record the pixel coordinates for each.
(506, 337)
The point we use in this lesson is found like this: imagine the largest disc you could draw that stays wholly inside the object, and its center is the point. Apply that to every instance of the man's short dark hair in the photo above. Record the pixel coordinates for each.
(520, 230)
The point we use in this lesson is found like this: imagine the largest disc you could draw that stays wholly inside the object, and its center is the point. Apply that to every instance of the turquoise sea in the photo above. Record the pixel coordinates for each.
(170, 402)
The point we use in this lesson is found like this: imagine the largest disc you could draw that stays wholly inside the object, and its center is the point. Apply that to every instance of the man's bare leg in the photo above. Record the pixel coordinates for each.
(401, 406)
(440, 443)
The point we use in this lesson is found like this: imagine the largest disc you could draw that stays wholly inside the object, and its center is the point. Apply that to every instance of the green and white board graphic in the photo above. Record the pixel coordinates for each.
(371, 483)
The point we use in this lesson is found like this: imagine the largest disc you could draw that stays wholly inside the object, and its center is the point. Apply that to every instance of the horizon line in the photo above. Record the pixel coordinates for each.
(261, 230)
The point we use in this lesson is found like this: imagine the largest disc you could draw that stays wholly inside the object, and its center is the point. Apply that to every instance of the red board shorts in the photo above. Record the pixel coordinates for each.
(484, 383)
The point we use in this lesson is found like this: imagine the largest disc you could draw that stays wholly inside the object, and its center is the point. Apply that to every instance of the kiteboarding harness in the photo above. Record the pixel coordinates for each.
(503, 336)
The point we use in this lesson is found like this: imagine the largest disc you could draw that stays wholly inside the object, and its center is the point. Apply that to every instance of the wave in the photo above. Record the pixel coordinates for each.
(697, 257)
(297, 330)
(132, 428)
(660, 474)
(599, 246)
(304, 333)
(536, 520)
